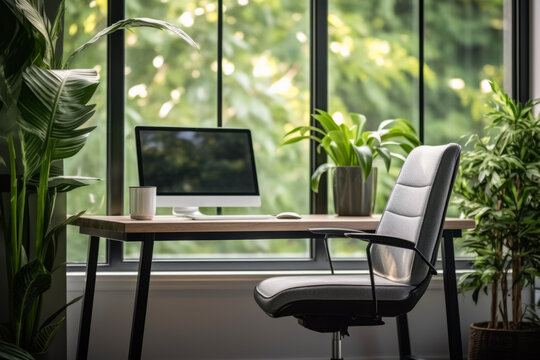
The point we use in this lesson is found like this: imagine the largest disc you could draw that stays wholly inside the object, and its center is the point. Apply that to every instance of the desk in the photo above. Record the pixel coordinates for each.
(169, 228)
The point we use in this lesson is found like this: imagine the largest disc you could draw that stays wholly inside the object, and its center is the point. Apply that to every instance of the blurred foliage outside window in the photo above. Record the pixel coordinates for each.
(373, 69)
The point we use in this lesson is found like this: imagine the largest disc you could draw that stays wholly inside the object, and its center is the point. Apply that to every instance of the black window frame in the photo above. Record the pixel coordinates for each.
(520, 85)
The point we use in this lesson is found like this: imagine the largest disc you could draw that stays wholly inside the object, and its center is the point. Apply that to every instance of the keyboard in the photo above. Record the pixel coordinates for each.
(232, 217)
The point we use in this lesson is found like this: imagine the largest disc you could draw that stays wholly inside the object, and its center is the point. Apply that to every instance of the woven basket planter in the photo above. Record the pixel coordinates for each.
(504, 344)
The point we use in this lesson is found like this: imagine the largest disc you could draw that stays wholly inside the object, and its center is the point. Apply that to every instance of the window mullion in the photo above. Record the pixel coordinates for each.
(115, 123)
(318, 94)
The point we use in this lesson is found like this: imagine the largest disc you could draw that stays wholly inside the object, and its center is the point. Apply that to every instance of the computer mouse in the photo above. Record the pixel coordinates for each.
(288, 215)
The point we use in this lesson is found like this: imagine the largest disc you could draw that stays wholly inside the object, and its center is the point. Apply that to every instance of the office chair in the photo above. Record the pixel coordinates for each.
(401, 255)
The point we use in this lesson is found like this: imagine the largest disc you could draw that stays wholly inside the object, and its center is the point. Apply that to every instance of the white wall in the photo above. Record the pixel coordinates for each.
(215, 317)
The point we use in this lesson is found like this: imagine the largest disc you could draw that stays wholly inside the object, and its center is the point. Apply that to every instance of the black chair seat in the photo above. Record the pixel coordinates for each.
(334, 295)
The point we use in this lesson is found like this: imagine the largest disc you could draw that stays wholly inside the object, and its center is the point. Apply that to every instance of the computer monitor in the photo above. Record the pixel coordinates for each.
(197, 167)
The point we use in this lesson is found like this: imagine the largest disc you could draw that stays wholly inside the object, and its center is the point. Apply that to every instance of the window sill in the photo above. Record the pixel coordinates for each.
(214, 280)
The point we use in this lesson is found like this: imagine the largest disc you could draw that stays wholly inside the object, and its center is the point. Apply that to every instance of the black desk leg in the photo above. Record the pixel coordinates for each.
(403, 337)
(88, 300)
(450, 295)
(141, 299)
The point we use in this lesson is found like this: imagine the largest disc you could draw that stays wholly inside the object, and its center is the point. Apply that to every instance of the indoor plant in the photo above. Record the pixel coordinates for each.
(352, 151)
(43, 110)
(498, 186)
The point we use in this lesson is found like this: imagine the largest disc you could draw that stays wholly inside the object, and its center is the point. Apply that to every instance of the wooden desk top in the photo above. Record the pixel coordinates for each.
(173, 224)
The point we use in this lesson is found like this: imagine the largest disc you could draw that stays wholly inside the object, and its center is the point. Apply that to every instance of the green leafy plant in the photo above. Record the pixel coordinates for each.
(498, 186)
(349, 145)
(44, 109)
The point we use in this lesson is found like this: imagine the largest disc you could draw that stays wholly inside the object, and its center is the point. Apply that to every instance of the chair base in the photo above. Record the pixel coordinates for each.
(324, 324)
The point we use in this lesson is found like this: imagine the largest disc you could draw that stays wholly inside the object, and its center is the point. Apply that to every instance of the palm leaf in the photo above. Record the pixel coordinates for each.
(132, 23)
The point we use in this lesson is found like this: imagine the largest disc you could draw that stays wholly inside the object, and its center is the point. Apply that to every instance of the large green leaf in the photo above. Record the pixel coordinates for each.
(132, 23)
(327, 122)
(33, 12)
(365, 158)
(44, 336)
(9, 351)
(68, 183)
(17, 44)
(53, 108)
(30, 282)
(316, 177)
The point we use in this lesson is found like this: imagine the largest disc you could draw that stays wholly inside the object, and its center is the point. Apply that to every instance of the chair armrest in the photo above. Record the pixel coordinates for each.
(391, 241)
(382, 239)
(334, 231)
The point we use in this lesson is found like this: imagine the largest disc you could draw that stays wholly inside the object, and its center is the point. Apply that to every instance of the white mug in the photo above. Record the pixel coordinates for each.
(142, 202)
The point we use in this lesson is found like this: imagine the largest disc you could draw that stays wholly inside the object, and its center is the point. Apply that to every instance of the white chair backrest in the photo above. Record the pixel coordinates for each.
(415, 211)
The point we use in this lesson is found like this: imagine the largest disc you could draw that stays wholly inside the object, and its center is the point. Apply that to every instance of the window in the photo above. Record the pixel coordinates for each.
(265, 88)
(375, 50)
(82, 20)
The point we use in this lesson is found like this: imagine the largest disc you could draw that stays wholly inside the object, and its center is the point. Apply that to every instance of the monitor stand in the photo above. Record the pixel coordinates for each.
(186, 211)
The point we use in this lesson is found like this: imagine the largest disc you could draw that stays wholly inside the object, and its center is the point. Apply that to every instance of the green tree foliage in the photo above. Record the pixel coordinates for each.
(499, 187)
(374, 69)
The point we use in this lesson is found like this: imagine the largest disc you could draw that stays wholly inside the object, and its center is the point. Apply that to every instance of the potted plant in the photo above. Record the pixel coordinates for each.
(498, 186)
(353, 151)
(43, 110)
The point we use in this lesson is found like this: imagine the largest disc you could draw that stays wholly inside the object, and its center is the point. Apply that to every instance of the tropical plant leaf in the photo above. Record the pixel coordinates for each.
(327, 122)
(339, 143)
(53, 316)
(43, 338)
(360, 121)
(385, 155)
(68, 183)
(299, 138)
(9, 351)
(31, 151)
(29, 283)
(133, 23)
(365, 159)
(53, 108)
(57, 26)
(39, 23)
(316, 177)
(53, 104)
(303, 129)
(55, 230)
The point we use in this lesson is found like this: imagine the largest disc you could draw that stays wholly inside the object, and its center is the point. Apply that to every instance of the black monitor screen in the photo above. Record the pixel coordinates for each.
(196, 161)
